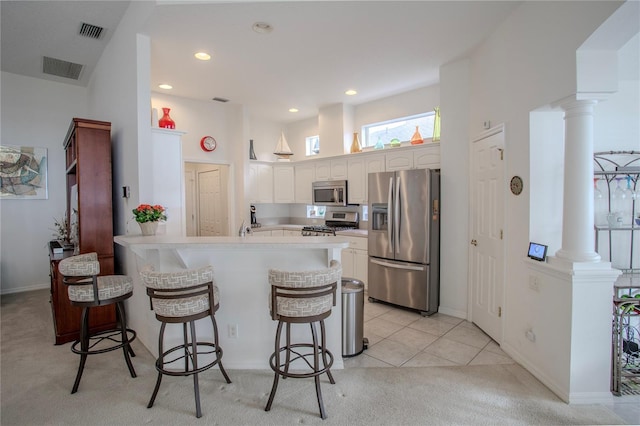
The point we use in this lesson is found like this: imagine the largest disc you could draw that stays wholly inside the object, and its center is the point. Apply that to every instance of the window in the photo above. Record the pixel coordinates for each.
(400, 128)
(312, 144)
(316, 211)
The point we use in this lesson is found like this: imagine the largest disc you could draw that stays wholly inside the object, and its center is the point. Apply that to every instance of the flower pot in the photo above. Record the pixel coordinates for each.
(148, 228)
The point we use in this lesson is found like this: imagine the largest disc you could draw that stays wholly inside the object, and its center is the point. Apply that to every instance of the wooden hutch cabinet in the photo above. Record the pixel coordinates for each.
(89, 188)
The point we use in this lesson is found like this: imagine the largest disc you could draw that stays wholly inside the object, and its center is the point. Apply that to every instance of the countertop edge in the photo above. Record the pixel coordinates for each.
(175, 242)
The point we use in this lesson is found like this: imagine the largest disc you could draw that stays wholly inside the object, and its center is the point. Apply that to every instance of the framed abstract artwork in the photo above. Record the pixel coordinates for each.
(23, 173)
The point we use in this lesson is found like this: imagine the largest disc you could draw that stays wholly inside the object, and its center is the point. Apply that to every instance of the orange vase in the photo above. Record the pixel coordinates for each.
(416, 139)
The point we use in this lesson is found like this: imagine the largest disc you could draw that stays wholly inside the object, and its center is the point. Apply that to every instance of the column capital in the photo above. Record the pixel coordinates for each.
(575, 102)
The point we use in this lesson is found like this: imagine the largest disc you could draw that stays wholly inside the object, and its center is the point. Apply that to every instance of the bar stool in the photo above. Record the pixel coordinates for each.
(182, 298)
(302, 298)
(87, 290)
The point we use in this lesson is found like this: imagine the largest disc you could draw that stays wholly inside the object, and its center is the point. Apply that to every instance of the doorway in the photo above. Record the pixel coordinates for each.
(206, 199)
(486, 253)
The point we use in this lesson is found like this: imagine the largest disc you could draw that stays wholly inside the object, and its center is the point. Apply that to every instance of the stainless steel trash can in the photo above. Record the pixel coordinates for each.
(353, 342)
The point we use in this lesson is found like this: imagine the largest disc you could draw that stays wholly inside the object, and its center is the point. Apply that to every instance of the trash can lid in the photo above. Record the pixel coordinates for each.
(351, 285)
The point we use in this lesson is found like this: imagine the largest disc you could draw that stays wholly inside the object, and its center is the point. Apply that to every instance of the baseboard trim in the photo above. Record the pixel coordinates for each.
(452, 312)
(24, 289)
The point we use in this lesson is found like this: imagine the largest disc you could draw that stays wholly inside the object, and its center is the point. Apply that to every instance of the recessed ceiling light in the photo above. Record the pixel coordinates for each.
(262, 27)
(165, 86)
(293, 109)
(350, 92)
(203, 56)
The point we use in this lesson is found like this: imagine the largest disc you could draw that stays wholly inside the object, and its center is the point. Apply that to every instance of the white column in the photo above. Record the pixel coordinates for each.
(578, 237)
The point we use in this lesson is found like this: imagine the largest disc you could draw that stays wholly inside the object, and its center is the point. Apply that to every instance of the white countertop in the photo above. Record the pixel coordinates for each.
(354, 233)
(228, 243)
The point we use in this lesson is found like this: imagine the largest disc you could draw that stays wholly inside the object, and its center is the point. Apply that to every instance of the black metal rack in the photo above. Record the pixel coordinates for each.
(613, 166)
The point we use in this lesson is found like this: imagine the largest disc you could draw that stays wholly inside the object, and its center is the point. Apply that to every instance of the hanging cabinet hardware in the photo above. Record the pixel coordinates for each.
(474, 243)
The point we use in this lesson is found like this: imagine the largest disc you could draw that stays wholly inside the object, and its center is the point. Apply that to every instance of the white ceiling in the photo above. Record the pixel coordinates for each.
(315, 52)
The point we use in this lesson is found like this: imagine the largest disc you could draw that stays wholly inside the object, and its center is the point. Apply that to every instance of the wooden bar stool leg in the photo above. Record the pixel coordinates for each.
(159, 364)
(84, 346)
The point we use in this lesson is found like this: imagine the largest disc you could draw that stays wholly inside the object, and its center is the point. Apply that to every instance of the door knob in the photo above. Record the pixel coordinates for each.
(474, 242)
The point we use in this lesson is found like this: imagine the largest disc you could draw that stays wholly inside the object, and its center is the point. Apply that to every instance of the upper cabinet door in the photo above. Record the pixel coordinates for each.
(402, 160)
(339, 169)
(356, 175)
(283, 184)
(323, 170)
(304, 177)
(261, 183)
(427, 157)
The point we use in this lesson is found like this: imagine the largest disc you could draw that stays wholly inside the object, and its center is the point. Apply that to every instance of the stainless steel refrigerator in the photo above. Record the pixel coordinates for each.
(404, 238)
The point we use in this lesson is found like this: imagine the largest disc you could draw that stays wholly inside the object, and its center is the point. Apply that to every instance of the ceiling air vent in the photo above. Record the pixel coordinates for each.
(61, 68)
(91, 31)
(217, 99)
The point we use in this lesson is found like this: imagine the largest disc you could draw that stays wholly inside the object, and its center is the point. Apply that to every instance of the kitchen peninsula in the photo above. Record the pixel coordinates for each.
(241, 267)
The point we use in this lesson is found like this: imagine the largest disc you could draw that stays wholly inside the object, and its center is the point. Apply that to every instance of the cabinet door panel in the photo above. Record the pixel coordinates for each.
(283, 184)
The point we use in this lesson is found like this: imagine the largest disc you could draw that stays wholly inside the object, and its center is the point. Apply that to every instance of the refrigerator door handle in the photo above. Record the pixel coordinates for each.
(396, 218)
(398, 266)
(390, 214)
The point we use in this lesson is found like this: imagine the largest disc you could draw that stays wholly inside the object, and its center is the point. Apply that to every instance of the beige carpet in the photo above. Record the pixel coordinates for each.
(37, 377)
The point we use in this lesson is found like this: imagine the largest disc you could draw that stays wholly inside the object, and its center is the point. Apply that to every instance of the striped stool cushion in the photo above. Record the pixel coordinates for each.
(182, 306)
(309, 306)
(109, 287)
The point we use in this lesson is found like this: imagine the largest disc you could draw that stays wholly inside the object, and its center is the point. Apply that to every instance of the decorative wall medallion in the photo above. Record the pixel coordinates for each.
(516, 185)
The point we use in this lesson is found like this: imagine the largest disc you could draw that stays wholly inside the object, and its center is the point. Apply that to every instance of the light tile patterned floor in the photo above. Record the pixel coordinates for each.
(404, 338)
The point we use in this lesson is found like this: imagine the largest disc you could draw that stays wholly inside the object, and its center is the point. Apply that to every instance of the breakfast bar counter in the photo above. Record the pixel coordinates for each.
(240, 267)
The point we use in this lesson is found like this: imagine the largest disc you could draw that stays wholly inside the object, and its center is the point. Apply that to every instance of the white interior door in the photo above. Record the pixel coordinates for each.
(486, 275)
(213, 219)
(190, 202)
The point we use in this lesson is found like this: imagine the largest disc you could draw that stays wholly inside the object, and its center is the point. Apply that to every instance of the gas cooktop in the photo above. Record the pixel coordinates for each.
(335, 221)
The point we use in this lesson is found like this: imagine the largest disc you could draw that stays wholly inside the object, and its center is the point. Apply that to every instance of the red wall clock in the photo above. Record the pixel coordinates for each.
(208, 143)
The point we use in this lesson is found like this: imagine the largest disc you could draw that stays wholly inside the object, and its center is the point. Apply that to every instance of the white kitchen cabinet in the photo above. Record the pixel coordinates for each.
(401, 160)
(277, 233)
(323, 170)
(260, 183)
(292, 233)
(339, 169)
(304, 177)
(283, 184)
(427, 157)
(357, 182)
(355, 259)
(261, 233)
(331, 169)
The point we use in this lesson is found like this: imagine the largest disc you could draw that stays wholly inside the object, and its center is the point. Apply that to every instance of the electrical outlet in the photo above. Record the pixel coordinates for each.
(533, 283)
(233, 331)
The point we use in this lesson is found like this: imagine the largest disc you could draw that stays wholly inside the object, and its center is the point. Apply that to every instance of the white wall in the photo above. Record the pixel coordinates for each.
(527, 63)
(413, 102)
(37, 113)
(454, 165)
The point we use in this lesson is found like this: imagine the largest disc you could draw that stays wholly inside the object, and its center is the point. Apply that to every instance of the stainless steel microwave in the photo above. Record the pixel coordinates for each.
(330, 193)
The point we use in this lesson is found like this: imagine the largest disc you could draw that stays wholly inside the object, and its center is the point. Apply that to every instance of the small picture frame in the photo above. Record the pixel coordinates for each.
(537, 252)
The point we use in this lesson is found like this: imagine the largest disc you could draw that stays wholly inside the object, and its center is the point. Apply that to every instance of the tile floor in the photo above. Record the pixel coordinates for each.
(404, 338)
